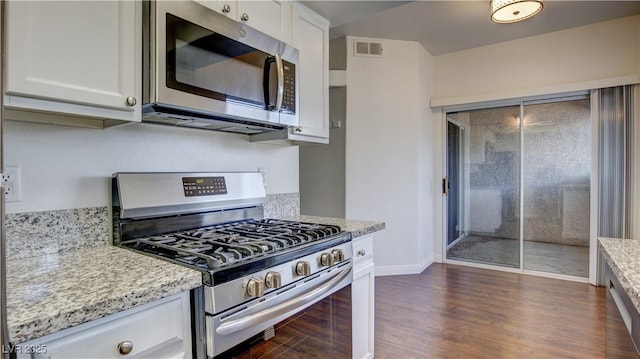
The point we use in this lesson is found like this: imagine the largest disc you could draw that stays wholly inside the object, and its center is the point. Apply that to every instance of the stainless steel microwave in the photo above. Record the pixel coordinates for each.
(204, 70)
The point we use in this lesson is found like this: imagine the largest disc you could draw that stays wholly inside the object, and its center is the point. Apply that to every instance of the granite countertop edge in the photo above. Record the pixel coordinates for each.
(48, 293)
(622, 256)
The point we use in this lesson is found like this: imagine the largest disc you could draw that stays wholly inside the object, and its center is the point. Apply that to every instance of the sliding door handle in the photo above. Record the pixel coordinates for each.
(445, 185)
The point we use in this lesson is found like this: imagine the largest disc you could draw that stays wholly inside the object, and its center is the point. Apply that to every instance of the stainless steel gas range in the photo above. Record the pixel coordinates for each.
(256, 271)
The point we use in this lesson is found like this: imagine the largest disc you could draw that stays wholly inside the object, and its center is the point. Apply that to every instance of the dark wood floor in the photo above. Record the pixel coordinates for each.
(461, 312)
(453, 311)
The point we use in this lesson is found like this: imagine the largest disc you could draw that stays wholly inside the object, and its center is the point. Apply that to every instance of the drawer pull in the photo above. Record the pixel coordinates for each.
(125, 347)
(361, 253)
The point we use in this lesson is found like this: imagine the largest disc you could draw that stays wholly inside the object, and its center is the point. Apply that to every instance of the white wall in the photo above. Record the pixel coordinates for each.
(592, 56)
(429, 159)
(389, 156)
(66, 167)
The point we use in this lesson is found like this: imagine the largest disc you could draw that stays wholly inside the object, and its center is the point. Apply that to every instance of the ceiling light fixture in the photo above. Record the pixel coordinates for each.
(508, 11)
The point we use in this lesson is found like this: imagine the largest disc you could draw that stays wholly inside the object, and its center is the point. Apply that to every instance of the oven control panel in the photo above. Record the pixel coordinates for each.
(204, 186)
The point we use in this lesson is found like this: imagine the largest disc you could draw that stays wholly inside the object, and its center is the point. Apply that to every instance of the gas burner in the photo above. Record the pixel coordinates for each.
(163, 239)
(226, 244)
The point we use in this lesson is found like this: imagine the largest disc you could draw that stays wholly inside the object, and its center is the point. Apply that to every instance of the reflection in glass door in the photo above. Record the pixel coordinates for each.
(522, 192)
(490, 186)
(557, 177)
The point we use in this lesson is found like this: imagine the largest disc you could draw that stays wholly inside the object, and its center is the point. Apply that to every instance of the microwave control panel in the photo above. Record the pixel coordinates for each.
(289, 97)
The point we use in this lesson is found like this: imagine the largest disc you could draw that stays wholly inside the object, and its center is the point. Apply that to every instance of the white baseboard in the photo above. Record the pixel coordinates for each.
(437, 258)
(404, 269)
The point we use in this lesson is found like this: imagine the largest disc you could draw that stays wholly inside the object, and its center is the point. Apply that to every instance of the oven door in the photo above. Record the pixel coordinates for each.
(208, 62)
(225, 330)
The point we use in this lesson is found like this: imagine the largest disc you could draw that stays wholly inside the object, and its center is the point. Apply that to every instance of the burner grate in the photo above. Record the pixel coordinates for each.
(225, 244)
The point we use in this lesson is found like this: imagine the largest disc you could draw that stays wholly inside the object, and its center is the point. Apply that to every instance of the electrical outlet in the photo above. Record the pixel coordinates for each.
(11, 184)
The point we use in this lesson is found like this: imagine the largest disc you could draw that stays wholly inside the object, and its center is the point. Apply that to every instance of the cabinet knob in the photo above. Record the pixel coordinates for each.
(361, 253)
(298, 129)
(131, 101)
(125, 347)
(244, 17)
(226, 9)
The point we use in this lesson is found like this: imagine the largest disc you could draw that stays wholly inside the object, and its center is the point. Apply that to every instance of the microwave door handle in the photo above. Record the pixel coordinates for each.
(280, 80)
(265, 81)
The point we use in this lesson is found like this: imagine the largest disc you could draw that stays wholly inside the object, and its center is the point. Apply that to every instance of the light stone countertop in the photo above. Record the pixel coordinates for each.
(623, 256)
(52, 292)
(358, 228)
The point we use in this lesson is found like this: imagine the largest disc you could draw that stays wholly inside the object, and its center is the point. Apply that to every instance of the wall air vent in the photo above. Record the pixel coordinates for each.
(367, 48)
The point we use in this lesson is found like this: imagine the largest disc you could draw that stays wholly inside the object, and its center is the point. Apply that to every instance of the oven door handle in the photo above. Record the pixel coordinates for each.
(282, 308)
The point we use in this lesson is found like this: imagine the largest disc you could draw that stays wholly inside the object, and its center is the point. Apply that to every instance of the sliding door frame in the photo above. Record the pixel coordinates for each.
(463, 183)
(593, 242)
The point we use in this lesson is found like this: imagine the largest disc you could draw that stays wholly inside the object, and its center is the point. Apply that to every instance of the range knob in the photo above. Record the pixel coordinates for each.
(273, 280)
(338, 255)
(303, 268)
(326, 259)
(255, 287)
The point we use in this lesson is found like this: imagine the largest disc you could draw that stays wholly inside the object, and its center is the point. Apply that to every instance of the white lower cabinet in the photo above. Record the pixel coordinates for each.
(363, 298)
(160, 329)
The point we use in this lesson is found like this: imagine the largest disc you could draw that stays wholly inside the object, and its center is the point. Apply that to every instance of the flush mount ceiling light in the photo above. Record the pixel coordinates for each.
(508, 11)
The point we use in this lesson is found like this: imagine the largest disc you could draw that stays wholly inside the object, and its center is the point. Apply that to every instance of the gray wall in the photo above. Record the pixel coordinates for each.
(322, 167)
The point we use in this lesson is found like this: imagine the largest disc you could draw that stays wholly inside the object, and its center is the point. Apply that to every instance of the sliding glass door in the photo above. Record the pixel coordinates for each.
(521, 189)
(490, 157)
(557, 178)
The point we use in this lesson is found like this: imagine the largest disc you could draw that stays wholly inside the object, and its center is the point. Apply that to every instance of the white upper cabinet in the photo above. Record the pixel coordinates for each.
(225, 7)
(271, 17)
(78, 60)
(311, 38)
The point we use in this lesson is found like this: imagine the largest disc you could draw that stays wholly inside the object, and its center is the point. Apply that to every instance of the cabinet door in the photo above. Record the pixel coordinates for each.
(75, 53)
(272, 17)
(159, 329)
(363, 295)
(363, 311)
(224, 7)
(311, 37)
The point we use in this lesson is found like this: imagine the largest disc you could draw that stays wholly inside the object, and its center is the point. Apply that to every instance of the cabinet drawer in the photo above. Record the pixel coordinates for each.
(362, 250)
(148, 328)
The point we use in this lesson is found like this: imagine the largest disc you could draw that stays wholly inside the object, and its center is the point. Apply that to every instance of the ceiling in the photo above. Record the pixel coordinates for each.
(448, 26)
